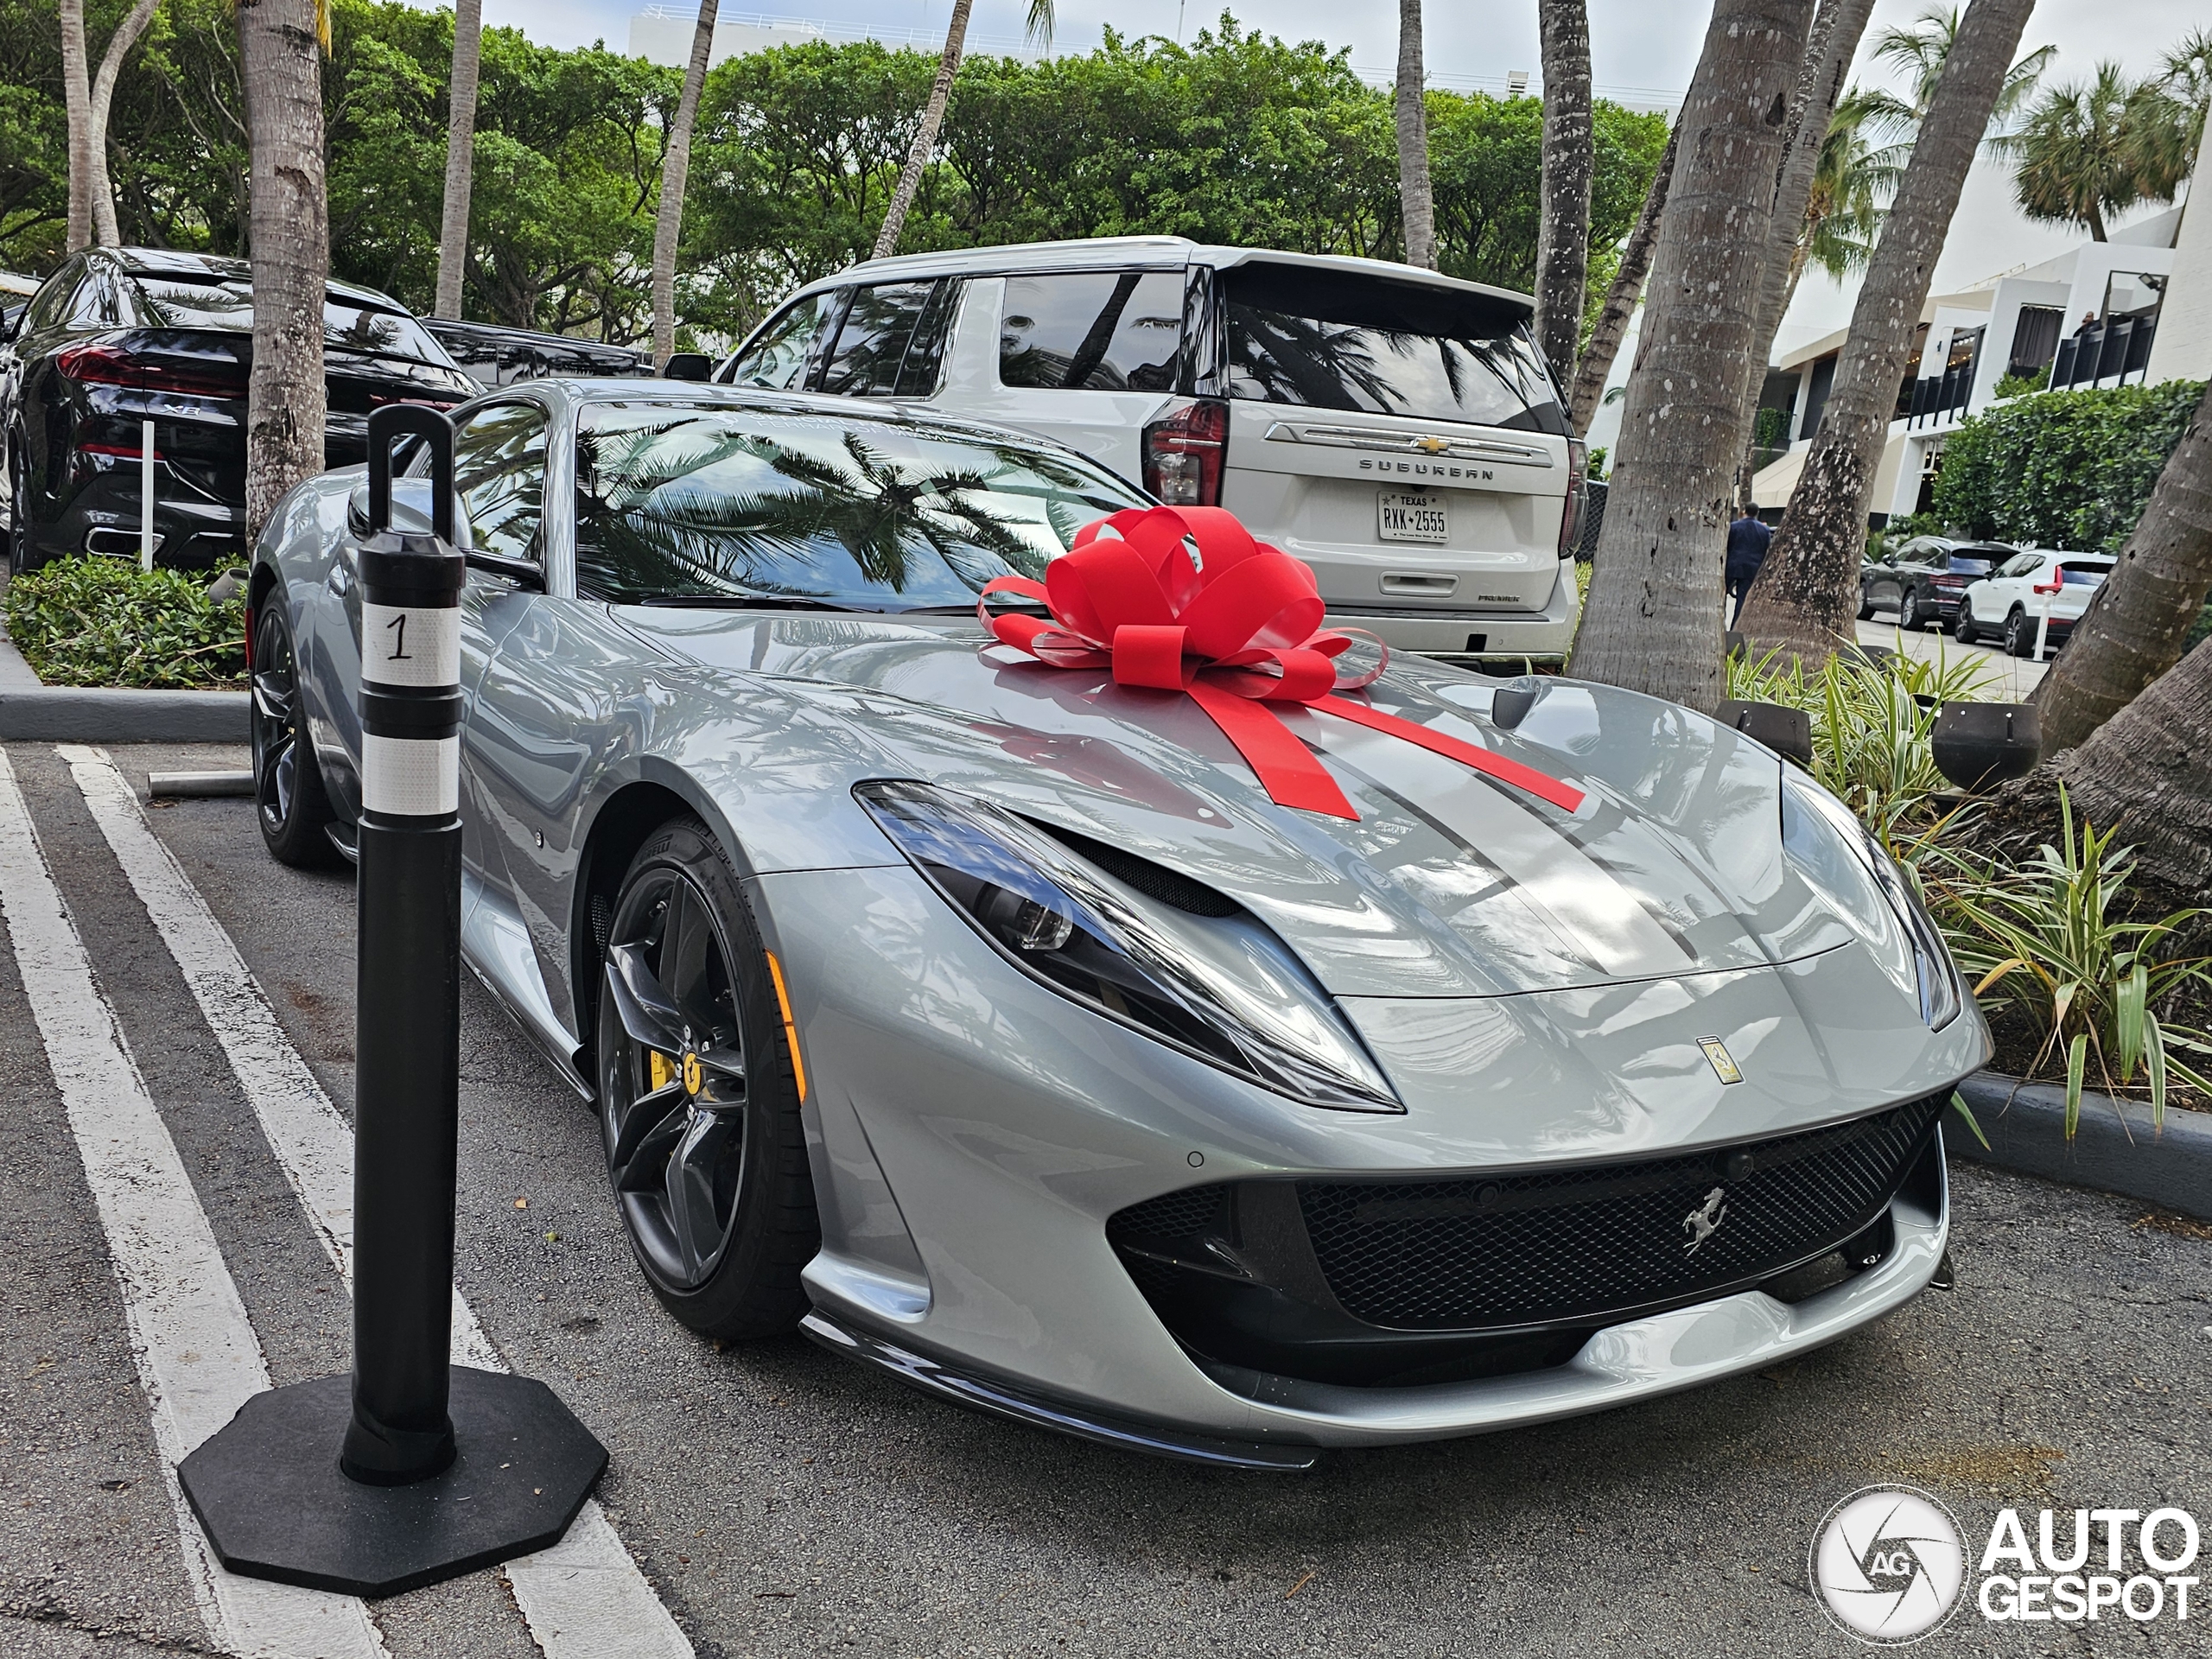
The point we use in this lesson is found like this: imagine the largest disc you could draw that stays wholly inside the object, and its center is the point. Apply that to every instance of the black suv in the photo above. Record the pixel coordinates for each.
(1923, 580)
(497, 356)
(120, 336)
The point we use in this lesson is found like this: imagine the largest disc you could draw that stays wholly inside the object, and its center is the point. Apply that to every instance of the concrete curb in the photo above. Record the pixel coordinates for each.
(104, 714)
(2173, 1171)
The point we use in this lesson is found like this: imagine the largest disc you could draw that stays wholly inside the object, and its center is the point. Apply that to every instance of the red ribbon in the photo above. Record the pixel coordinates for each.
(1235, 629)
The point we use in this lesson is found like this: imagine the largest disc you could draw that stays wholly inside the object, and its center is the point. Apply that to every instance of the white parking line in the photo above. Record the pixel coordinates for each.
(585, 1598)
(197, 1355)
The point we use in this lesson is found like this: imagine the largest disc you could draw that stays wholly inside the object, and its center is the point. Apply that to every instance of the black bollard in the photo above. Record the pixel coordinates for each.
(407, 1078)
(412, 1469)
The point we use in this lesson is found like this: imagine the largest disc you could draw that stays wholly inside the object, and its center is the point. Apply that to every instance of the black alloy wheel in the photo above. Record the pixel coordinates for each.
(2019, 633)
(288, 794)
(698, 1107)
(1963, 629)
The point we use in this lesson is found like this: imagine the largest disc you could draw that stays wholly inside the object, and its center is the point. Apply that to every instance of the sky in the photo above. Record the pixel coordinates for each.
(1642, 51)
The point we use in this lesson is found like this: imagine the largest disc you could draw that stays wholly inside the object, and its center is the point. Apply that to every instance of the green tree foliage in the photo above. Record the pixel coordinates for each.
(1238, 138)
(2069, 469)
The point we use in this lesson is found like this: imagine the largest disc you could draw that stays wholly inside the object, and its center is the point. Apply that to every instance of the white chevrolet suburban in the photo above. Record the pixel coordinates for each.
(1395, 429)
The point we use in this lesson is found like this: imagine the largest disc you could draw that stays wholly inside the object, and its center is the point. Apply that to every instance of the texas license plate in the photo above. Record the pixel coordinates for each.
(1411, 516)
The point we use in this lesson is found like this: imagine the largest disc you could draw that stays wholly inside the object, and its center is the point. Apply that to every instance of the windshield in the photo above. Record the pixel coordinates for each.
(1331, 339)
(676, 503)
(346, 326)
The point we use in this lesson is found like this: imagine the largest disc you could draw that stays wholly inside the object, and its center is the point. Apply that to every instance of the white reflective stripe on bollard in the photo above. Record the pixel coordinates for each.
(411, 777)
(584, 1598)
(411, 644)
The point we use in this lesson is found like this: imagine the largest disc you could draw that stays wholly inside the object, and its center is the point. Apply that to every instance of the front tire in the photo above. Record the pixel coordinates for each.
(1909, 617)
(1963, 630)
(2019, 634)
(1866, 606)
(698, 1107)
(287, 795)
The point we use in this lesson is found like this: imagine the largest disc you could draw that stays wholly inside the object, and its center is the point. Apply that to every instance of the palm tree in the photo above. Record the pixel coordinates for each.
(1854, 180)
(1563, 226)
(87, 100)
(2163, 128)
(461, 153)
(1807, 591)
(1920, 51)
(279, 45)
(1416, 200)
(2071, 160)
(1653, 622)
(674, 167)
(1039, 26)
(1622, 298)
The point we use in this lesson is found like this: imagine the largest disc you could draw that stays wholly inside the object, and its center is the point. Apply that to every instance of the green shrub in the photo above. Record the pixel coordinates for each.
(2090, 985)
(2019, 385)
(91, 621)
(1872, 737)
(2070, 469)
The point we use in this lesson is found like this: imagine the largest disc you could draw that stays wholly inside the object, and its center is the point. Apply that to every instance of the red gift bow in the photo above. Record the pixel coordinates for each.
(1133, 602)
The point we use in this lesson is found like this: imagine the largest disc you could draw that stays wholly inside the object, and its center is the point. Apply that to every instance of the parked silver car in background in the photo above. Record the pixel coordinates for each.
(1393, 428)
(993, 1024)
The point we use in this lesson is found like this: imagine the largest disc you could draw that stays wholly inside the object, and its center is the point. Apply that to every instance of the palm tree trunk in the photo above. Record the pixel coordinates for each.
(1597, 365)
(1807, 592)
(918, 159)
(460, 155)
(1653, 622)
(1416, 201)
(674, 166)
(2132, 632)
(77, 98)
(2143, 769)
(1835, 38)
(104, 230)
(286, 407)
(1563, 220)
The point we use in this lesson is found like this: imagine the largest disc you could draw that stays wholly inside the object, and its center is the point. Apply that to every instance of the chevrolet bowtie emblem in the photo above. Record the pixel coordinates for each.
(1431, 446)
(1723, 1062)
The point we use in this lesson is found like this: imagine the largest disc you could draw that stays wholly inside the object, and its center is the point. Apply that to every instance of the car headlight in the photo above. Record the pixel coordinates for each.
(1816, 826)
(1220, 988)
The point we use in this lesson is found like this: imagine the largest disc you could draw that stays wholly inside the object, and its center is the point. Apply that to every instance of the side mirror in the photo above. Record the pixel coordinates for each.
(687, 366)
(411, 511)
(11, 321)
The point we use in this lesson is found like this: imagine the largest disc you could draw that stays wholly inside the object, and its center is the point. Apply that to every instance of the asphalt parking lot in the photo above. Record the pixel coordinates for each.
(777, 1500)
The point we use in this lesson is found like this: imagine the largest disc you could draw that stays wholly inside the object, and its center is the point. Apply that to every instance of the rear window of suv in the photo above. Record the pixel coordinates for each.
(229, 305)
(1334, 339)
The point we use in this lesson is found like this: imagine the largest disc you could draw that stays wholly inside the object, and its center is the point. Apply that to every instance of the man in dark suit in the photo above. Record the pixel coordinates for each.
(1747, 540)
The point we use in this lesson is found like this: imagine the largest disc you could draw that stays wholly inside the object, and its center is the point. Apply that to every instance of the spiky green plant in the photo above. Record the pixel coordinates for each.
(2045, 931)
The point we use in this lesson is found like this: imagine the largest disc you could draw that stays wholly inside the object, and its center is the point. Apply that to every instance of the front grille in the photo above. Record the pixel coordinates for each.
(1566, 1244)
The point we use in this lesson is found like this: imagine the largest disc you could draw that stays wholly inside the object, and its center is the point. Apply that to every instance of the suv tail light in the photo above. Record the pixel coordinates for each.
(1570, 521)
(111, 366)
(1183, 454)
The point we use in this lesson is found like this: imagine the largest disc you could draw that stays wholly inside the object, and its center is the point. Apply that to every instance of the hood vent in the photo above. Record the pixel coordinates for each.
(1149, 878)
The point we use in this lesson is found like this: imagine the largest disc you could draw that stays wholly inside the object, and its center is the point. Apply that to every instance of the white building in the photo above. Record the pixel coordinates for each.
(2098, 315)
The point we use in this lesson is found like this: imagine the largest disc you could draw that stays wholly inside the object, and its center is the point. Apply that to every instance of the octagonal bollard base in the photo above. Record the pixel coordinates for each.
(274, 1503)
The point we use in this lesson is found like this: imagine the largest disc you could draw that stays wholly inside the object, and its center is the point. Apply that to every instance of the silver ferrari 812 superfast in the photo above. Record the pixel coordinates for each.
(991, 1019)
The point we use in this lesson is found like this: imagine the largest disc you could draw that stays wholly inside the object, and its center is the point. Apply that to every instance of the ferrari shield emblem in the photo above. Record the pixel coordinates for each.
(1724, 1063)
